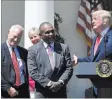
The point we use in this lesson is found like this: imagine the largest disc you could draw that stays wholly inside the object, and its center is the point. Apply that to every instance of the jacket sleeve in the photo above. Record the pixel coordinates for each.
(65, 77)
(85, 59)
(4, 84)
(90, 57)
(33, 69)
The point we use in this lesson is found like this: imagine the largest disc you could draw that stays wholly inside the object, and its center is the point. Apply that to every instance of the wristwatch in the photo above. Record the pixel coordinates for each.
(61, 82)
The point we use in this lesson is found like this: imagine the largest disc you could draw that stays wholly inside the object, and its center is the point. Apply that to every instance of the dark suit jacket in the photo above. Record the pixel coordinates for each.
(7, 68)
(40, 69)
(100, 54)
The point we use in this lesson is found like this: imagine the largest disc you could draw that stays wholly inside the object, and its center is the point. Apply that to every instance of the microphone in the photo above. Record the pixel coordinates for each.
(105, 41)
(105, 38)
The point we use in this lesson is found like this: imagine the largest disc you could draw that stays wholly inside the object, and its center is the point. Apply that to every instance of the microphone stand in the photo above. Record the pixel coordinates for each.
(105, 41)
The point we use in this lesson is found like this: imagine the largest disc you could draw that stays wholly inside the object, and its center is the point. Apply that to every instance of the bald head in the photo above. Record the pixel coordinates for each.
(47, 32)
(43, 26)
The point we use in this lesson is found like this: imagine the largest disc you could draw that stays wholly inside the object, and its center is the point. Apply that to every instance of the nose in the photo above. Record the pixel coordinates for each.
(50, 33)
(93, 20)
(15, 39)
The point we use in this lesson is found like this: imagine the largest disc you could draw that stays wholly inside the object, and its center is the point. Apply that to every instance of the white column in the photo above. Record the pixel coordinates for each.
(37, 12)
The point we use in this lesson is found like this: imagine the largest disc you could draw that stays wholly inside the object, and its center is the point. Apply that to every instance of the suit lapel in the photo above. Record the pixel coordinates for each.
(101, 46)
(57, 51)
(6, 50)
(21, 53)
(99, 50)
(92, 52)
(44, 58)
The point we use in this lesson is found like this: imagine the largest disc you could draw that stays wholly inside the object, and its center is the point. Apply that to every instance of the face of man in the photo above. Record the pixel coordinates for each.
(48, 34)
(97, 23)
(34, 38)
(14, 37)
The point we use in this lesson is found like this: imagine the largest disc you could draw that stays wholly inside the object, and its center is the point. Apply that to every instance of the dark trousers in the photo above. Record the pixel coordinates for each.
(89, 93)
(23, 92)
(49, 94)
(104, 92)
(101, 93)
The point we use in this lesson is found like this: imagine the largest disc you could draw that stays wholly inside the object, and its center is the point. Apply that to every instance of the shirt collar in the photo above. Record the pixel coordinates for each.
(104, 32)
(8, 45)
(46, 45)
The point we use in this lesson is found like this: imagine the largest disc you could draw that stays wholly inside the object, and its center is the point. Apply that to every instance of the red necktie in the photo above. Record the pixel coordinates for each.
(16, 68)
(97, 44)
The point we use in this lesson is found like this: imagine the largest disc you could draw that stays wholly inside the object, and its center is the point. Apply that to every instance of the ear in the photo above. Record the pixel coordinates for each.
(104, 21)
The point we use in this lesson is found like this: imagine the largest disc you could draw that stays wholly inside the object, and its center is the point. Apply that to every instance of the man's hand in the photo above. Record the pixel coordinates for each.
(74, 62)
(12, 92)
(55, 86)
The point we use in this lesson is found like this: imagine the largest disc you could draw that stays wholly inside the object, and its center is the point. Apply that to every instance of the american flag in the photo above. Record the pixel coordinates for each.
(84, 25)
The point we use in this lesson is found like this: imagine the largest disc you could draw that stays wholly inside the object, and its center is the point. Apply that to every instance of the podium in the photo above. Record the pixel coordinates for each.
(88, 70)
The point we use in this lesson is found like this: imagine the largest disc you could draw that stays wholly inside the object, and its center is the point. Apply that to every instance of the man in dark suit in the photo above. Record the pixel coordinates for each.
(101, 20)
(49, 64)
(14, 73)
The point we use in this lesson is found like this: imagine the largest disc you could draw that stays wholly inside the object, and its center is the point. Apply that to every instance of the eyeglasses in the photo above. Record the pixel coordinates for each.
(49, 31)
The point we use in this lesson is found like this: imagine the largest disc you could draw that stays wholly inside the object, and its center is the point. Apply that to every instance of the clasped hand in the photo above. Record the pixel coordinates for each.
(12, 92)
(74, 61)
(55, 86)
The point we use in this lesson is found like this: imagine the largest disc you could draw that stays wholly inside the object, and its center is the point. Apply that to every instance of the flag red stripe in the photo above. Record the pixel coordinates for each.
(82, 31)
(82, 16)
(85, 16)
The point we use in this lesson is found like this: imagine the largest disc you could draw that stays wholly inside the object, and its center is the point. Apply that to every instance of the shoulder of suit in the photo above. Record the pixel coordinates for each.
(3, 45)
(22, 48)
(61, 44)
(110, 31)
(35, 46)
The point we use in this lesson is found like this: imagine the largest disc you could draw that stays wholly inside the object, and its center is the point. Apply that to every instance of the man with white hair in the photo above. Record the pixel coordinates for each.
(101, 46)
(14, 73)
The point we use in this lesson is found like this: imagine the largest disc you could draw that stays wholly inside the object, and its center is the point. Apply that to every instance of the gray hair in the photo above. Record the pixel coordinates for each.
(104, 15)
(16, 26)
